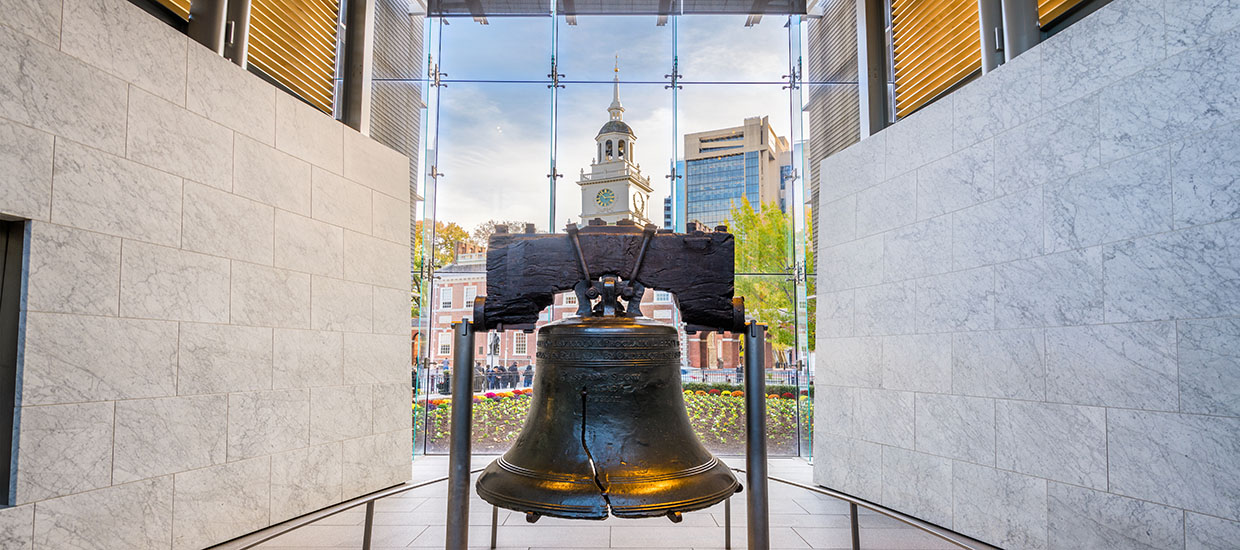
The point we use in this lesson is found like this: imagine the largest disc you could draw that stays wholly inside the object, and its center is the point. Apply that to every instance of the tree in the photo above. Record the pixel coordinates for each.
(447, 234)
(485, 229)
(764, 244)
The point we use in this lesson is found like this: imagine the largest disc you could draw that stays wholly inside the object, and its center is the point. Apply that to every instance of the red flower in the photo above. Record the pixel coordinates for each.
(713, 392)
(490, 395)
(787, 395)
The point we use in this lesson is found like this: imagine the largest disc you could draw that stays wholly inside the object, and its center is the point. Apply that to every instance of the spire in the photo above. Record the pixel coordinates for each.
(616, 109)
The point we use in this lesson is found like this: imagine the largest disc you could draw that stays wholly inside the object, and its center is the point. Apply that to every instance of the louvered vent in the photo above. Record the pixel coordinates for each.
(937, 44)
(179, 7)
(294, 42)
(1050, 10)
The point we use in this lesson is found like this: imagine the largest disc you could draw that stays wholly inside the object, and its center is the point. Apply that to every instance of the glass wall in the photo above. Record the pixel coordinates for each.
(514, 105)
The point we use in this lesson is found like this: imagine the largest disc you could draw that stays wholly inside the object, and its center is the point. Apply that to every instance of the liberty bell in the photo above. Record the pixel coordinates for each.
(607, 431)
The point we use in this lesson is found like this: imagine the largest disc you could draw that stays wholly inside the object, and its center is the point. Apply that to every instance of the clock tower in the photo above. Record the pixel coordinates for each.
(614, 189)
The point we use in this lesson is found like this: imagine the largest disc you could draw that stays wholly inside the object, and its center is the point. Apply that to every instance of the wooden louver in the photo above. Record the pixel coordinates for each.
(937, 44)
(1050, 10)
(179, 7)
(294, 42)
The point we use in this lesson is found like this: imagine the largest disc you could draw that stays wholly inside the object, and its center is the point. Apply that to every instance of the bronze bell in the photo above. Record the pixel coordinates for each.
(607, 430)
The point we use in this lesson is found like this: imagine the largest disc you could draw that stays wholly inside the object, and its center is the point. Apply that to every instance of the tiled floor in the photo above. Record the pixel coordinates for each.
(799, 519)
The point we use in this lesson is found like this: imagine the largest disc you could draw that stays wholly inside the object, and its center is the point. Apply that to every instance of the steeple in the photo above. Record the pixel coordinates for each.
(616, 109)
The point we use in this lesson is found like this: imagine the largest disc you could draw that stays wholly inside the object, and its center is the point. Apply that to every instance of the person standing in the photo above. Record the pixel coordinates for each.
(529, 376)
(513, 375)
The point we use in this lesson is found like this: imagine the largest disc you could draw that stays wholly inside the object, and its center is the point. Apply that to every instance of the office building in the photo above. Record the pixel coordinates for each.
(725, 167)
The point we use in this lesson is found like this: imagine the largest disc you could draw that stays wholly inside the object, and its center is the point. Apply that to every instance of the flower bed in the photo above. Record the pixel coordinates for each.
(717, 416)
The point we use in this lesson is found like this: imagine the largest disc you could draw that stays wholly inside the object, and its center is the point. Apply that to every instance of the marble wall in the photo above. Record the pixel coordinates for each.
(215, 335)
(1029, 294)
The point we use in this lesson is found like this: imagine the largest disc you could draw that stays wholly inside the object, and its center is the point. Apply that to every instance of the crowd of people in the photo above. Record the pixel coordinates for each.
(497, 377)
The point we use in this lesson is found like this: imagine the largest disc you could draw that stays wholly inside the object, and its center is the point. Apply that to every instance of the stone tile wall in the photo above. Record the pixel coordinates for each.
(1029, 294)
(215, 331)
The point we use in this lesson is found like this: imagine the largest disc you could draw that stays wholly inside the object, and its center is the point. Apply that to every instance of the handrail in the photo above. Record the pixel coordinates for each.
(263, 535)
(952, 537)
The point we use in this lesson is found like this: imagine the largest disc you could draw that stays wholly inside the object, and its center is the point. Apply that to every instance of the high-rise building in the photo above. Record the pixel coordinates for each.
(728, 165)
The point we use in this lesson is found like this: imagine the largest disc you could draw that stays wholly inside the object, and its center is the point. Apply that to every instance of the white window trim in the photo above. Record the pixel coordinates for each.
(662, 297)
(445, 297)
(445, 341)
(520, 343)
(570, 299)
(471, 292)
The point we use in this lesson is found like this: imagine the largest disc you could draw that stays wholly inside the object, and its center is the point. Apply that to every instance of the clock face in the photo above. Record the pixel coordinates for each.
(605, 197)
(639, 203)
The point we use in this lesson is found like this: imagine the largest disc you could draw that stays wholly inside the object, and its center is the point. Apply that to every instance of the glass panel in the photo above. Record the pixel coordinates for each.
(727, 48)
(589, 47)
(474, 51)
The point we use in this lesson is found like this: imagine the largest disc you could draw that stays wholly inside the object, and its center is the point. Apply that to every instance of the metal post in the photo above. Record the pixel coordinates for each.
(237, 32)
(755, 436)
(458, 450)
(358, 60)
(206, 23)
(494, 525)
(727, 524)
(852, 521)
(990, 25)
(370, 524)
(1020, 27)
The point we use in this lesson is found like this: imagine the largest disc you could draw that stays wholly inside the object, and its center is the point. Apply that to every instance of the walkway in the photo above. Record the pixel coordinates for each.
(799, 519)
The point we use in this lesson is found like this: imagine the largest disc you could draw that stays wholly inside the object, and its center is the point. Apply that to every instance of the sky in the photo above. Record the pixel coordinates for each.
(494, 141)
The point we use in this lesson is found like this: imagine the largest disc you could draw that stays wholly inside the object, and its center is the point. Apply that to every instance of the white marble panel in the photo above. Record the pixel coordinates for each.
(834, 410)
(307, 245)
(40, 19)
(835, 314)
(97, 191)
(837, 221)
(223, 224)
(222, 502)
(1009, 96)
(155, 437)
(1002, 508)
(375, 358)
(166, 283)
(340, 305)
(957, 427)
(264, 296)
(1205, 177)
(48, 90)
(230, 95)
(853, 264)
(392, 310)
(266, 422)
(340, 412)
(1182, 95)
(124, 40)
(1008, 364)
(391, 218)
(1185, 274)
(134, 515)
(918, 484)
(375, 261)
(1124, 199)
(1130, 365)
(1209, 367)
(374, 462)
(72, 271)
(65, 449)
(885, 416)
(1005, 229)
(307, 358)
(1065, 443)
(1048, 148)
(851, 362)
(1182, 460)
(857, 167)
(1192, 23)
(1117, 40)
(1210, 533)
(920, 138)
(305, 480)
(26, 183)
(848, 465)
(392, 404)
(74, 358)
(221, 358)
(271, 176)
(888, 205)
(1052, 290)
(885, 309)
(17, 524)
(962, 300)
(960, 180)
(918, 362)
(918, 250)
(339, 201)
(172, 139)
(1084, 518)
(309, 134)
(376, 166)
